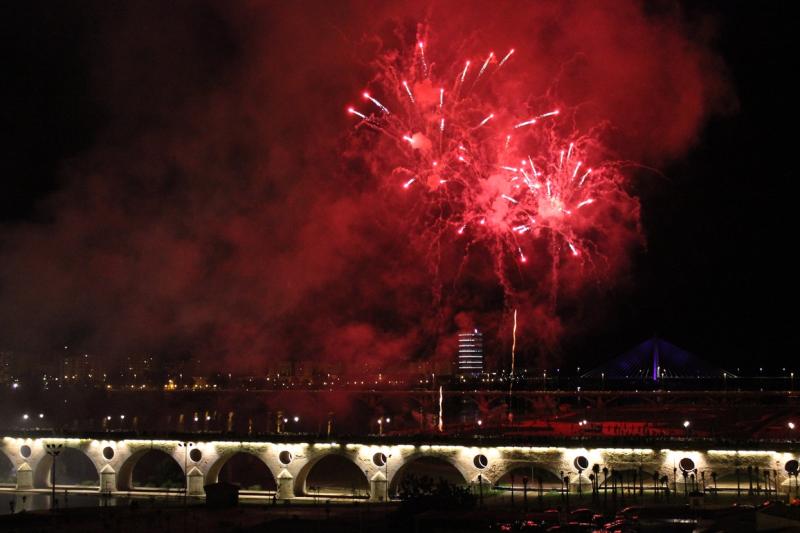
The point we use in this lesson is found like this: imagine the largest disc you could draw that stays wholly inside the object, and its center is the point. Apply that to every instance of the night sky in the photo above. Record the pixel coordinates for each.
(172, 183)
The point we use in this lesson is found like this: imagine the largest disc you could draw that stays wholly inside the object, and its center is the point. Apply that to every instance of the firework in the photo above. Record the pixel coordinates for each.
(441, 410)
(513, 348)
(543, 184)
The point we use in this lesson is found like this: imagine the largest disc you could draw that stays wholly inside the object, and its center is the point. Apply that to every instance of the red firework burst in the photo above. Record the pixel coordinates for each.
(486, 170)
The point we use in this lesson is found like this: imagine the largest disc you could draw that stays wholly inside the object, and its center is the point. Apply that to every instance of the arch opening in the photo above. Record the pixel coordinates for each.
(726, 479)
(335, 476)
(425, 468)
(628, 477)
(151, 469)
(248, 471)
(73, 469)
(515, 476)
(8, 474)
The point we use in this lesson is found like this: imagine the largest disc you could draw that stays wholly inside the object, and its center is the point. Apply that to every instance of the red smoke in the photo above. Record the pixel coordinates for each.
(216, 214)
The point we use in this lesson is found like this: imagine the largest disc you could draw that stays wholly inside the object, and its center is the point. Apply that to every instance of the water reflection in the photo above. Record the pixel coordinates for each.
(15, 502)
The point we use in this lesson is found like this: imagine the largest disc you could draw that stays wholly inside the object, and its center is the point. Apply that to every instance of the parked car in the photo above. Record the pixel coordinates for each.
(581, 515)
(573, 527)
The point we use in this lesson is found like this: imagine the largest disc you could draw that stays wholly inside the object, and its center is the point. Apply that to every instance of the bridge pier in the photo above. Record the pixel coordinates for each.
(378, 488)
(285, 483)
(108, 479)
(24, 477)
(194, 482)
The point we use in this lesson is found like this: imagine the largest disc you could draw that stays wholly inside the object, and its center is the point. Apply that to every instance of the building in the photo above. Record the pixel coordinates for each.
(470, 353)
(139, 368)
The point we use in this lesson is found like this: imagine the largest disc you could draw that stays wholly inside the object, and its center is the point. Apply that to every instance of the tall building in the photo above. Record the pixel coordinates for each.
(139, 368)
(470, 353)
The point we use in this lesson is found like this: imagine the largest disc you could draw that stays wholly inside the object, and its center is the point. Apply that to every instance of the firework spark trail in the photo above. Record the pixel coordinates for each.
(464, 74)
(441, 410)
(411, 96)
(575, 172)
(485, 64)
(526, 123)
(505, 192)
(506, 197)
(422, 56)
(356, 113)
(583, 178)
(573, 249)
(505, 58)
(377, 103)
(513, 364)
(513, 345)
(487, 119)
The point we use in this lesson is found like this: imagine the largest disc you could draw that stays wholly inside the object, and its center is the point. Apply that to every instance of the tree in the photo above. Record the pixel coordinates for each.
(420, 494)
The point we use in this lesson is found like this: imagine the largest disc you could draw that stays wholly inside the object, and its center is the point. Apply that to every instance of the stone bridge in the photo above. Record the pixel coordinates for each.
(290, 463)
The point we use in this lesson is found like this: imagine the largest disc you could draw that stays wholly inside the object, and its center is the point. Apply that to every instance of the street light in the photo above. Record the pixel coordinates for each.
(185, 445)
(381, 421)
(686, 425)
(387, 475)
(25, 416)
(53, 450)
(791, 425)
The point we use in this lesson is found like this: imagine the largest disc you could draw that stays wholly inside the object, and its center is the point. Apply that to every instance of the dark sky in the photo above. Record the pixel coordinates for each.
(129, 125)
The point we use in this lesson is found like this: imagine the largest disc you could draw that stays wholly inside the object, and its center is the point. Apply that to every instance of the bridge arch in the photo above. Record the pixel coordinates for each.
(423, 463)
(532, 470)
(328, 466)
(8, 472)
(158, 462)
(727, 478)
(243, 458)
(74, 467)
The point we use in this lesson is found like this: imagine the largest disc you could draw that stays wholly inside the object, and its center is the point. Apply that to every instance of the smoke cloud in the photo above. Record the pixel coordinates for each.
(218, 214)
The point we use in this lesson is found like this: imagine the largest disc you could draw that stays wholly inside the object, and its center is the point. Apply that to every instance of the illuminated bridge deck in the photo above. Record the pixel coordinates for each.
(380, 464)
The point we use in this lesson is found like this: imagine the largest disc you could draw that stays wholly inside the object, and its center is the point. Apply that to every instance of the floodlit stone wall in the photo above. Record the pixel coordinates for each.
(290, 464)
